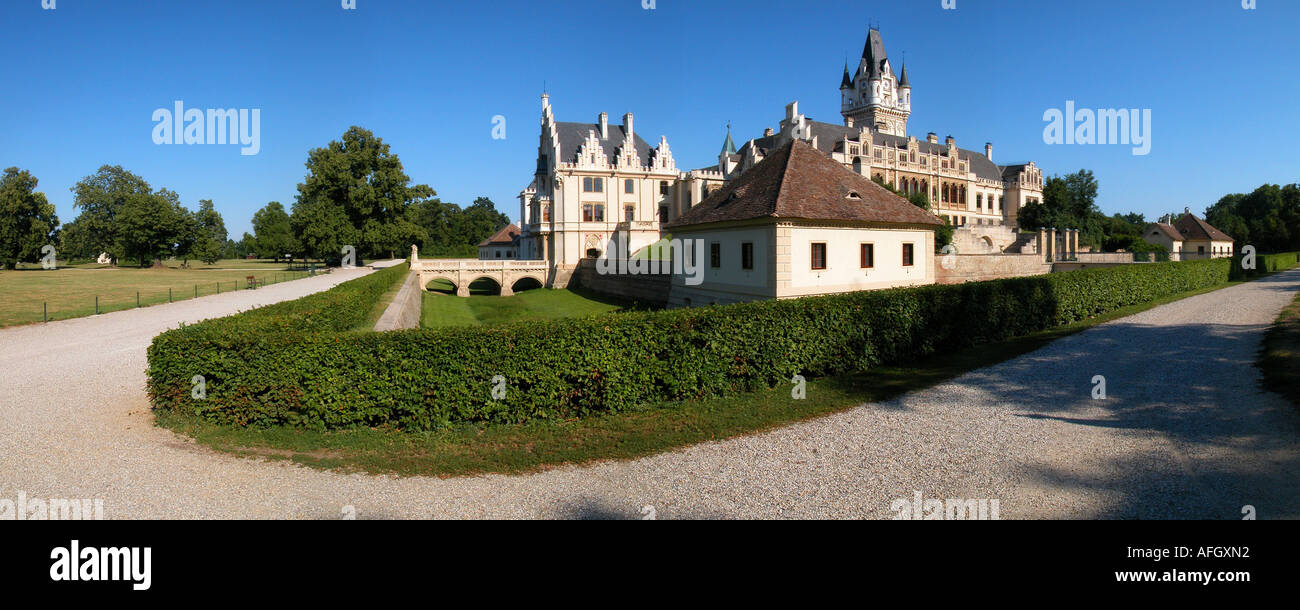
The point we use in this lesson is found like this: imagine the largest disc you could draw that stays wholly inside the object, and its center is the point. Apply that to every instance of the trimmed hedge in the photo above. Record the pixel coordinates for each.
(310, 375)
(1265, 263)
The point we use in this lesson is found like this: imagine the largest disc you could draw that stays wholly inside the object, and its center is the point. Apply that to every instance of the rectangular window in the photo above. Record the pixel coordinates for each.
(819, 256)
(586, 212)
(747, 255)
(715, 255)
(867, 257)
(629, 213)
(586, 185)
(909, 251)
(663, 188)
(663, 213)
(599, 212)
(629, 186)
(593, 185)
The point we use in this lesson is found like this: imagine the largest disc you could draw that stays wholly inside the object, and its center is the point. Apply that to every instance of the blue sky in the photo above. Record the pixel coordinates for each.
(83, 80)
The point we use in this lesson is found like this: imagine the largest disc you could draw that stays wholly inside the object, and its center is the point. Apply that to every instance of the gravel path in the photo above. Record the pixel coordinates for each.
(1183, 432)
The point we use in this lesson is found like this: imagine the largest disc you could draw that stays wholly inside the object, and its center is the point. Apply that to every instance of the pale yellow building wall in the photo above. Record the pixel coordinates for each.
(843, 271)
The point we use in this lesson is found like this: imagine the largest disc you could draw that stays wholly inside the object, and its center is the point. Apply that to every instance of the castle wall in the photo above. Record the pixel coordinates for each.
(981, 267)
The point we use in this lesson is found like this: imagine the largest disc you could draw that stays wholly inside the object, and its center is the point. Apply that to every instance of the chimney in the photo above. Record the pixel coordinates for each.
(932, 138)
(791, 110)
(627, 125)
(988, 150)
(767, 133)
(848, 121)
(950, 141)
(604, 126)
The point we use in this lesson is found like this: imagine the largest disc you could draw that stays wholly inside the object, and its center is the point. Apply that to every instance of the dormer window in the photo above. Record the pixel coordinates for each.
(854, 195)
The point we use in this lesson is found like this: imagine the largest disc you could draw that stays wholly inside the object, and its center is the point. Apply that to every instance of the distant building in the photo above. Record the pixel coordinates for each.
(504, 244)
(596, 183)
(798, 224)
(1189, 238)
(965, 187)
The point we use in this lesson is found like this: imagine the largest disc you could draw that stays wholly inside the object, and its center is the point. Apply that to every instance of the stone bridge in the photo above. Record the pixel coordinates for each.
(461, 272)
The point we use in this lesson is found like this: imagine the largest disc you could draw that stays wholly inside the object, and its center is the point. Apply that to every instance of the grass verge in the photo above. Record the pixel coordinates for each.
(381, 305)
(440, 309)
(519, 448)
(1279, 360)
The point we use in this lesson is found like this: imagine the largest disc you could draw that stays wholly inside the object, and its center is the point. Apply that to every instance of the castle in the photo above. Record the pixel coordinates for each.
(597, 183)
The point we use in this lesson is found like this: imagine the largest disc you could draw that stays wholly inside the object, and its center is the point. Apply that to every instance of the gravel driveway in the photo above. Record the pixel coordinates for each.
(1183, 432)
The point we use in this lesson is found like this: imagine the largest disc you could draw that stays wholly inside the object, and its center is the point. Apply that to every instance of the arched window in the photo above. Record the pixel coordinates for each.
(962, 199)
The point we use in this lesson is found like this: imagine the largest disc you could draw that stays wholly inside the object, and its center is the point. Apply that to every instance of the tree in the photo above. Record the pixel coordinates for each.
(211, 233)
(357, 194)
(146, 226)
(101, 197)
(273, 232)
(1267, 218)
(27, 219)
(477, 222)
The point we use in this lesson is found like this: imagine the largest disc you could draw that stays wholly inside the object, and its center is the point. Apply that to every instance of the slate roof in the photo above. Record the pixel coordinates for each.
(506, 236)
(574, 135)
(796, 181)
(874, 53)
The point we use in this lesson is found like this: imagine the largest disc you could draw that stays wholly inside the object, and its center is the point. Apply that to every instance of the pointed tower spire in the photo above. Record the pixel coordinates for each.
(728, 146)
(847, 81)
(902, 79)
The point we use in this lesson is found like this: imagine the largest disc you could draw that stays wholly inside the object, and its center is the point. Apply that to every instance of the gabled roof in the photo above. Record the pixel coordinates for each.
(505, 237)
(796, 181)
(1168, 230)
(1194, 228)
(574, 135)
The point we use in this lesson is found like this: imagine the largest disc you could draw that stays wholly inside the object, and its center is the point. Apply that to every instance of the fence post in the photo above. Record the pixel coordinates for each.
(96, 304)
(218, 287)
(196, 291)
(169, 295)
(137, 298)
(45, 311)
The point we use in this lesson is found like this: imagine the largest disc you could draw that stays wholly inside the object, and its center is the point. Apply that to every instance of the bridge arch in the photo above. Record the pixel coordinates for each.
(460, 273)
(527, 281)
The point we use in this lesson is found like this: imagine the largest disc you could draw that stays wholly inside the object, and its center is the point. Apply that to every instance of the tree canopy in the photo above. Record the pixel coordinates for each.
(27, 219)
(356, 193)
(273, 233)
(1267, 218)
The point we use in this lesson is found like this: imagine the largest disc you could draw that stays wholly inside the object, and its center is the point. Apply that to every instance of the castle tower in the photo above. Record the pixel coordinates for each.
(875, 97)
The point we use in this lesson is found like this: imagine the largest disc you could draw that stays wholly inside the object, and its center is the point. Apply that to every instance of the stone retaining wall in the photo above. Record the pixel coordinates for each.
(981, 267)
(650, 288)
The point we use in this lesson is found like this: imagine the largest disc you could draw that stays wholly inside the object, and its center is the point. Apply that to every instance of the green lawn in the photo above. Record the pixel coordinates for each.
(442, 307)
(1280, 358)
(71, 292)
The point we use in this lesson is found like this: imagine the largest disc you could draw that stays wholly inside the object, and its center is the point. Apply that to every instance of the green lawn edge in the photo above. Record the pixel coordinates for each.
(1279, 357)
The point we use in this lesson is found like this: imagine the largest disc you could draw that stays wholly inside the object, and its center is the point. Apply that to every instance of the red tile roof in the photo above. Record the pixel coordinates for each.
(1169, 230)
(1194, 228)
(505, 237)
(796, 181)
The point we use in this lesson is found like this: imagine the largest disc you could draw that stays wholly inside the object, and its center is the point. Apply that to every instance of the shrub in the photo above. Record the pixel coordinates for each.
(303, 372)
(1264, 263)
